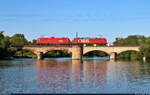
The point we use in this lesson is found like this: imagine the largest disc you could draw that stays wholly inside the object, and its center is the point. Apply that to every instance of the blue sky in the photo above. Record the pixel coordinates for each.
(63, 18)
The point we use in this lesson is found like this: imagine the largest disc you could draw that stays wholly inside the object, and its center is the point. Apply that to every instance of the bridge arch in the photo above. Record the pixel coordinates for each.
(57, 53)
(103, 53)
(127, 51)
(90, 50)
(25, 53)
(128, 55)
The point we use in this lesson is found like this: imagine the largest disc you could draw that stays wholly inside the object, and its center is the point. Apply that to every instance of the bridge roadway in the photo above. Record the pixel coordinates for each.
(79, 50)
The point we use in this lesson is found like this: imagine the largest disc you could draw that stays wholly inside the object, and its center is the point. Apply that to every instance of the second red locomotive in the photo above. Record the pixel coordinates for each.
(90, 41)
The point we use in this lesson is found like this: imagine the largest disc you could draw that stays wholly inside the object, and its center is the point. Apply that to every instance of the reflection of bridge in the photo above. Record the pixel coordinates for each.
(78, 50)
(71, 75)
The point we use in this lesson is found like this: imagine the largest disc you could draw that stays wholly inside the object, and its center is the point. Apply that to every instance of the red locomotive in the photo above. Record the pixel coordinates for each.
(84, 41)
(53, 40)
(90, 41)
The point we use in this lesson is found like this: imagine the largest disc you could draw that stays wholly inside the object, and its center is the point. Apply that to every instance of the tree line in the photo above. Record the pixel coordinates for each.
(7, 49)
(7, 43)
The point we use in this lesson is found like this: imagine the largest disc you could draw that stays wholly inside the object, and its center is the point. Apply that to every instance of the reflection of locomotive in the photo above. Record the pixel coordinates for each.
(84, 41)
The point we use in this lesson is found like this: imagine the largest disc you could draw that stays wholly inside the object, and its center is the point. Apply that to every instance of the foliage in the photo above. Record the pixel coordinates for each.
(57, 53)
(24, 54)
(145, 48)
(1, 35)
(133, 40)
(96, 54)
(6, 44)
(18, 40)
(129, 55)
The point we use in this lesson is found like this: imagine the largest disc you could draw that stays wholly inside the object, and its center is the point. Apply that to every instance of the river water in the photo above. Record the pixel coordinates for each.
(63, 75)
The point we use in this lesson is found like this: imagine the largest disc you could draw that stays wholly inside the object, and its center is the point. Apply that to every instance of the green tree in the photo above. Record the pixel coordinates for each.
(145, 48)
(18, 40)
(132, 40)
(128, 55)
(1, 35)
(5, 42)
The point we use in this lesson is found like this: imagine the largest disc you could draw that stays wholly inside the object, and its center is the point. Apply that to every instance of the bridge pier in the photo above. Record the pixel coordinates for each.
(113, 55)
(40, 55)
(77, 52)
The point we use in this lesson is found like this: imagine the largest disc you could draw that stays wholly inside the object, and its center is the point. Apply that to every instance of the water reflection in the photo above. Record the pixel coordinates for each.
(76, 72)
(53, 74)
(71, 74)
(95, 73)
(74, 76)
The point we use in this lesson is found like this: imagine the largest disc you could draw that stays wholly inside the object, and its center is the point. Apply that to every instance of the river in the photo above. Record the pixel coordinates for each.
(63, 75)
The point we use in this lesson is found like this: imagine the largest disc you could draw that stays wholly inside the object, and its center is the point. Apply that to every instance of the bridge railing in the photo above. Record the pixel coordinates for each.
(67, 45)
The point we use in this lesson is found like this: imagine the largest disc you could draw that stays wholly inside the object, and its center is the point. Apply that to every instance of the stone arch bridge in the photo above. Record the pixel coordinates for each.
(78, 50)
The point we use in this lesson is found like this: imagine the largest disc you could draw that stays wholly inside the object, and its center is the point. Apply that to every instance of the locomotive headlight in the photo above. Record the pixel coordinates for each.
(94, 45)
